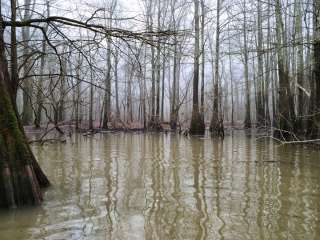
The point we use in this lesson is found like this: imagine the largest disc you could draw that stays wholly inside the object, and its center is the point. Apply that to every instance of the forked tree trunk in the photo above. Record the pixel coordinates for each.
(21, 177)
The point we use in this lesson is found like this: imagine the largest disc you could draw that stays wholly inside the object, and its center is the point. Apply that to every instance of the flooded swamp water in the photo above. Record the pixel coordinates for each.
(165, 186)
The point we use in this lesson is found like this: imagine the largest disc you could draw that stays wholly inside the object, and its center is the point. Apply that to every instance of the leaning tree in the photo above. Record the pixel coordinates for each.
(21, 177)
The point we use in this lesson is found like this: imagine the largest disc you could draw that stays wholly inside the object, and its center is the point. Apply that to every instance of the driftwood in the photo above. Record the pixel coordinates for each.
(311, 141)
(283, 142)
(42, 141)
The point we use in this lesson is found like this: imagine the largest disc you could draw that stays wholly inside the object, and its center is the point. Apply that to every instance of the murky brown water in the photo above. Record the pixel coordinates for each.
(156, 186)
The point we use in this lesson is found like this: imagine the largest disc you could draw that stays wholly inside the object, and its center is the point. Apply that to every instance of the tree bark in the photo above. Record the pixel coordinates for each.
(107, 96)
(39, 95)
(27, 69)
(21, 177)
(216, 125)
(260, 106)
(314, 111)
(202, 58)
(197, 125)
(286, 109)
(247, 120)
(116, 63)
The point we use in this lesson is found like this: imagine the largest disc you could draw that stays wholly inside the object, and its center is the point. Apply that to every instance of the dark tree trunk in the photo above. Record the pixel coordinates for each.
(314, 121)
(260, 105)
(175, 86)
(286, 115)
(27, 69)
(216, 124)
(197, 125)
(247, 120)
(107, 96)
(20, 175)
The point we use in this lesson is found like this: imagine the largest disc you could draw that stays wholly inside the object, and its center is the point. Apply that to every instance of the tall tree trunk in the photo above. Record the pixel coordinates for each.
(247, 119)
(197, 124)
(153, 62)
(163, 84)
(27, 69)
(14, 57)
(231, 81)
(216, 125)
(62, 91)
(174, 111)
(202, 59)
(260, 111)
(39, 97)
(158, 66)
(300, 62)
(268, 71)
(314, 125)
(116, 63)
(78, 94)
(107, 96)
(286, 109)
(91, 99)
(129, 93)
(144, 90)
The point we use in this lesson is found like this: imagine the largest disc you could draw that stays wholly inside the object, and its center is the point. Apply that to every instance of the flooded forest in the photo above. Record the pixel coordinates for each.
(159, 119)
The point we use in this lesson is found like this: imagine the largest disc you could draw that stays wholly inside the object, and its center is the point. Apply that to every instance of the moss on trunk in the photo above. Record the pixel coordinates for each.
(20, 175)
(197, 126)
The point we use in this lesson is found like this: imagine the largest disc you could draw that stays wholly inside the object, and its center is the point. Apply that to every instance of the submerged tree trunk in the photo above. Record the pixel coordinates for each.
(175, 89)
(163, 85)
(153, 63)
(231, 82)
(286, 111)
(216, 125)
(247, 120)
(158, 67)
(107, 96)
(197, 124)
(91, 126)
(202, 59)
(21, 177)
(116, 63)
(268, 73)
(300, 64)
(314, 111)
(260, 106)
(174, 111)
